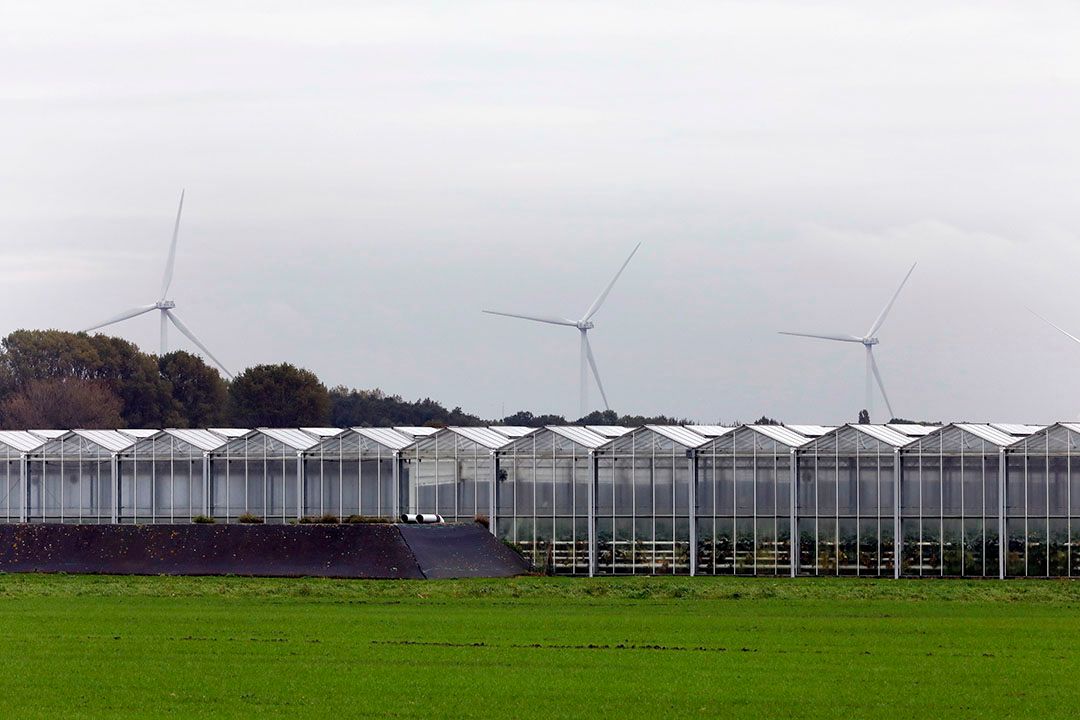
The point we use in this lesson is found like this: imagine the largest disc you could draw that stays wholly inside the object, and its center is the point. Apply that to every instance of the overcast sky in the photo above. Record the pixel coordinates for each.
(363, 178)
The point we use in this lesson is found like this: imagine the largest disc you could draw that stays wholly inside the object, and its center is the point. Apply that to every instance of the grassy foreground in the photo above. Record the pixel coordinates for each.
(75, 646)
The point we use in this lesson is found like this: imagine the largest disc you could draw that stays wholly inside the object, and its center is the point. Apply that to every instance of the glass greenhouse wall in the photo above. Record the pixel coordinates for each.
(643, 502)
(259, 475)
(165, 477)
(356, 472)
(450, 473)
(744, 489)
(544, 492)
(949, 502)
(14, 446)
(846, 501)
(1042, 503)
(73, 477)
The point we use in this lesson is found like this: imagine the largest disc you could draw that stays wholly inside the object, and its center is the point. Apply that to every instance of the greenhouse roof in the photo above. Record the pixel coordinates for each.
(912, 429)
(512, 431)
(810, 431)
(1020, 430)
(416, 431)
(49, 434)
(111, 440)
(710, 431)
(581, 435)
(482, 436)
(989, 433)
(202, 439)
(608, 431)
(231, 432)
(686, 438)
(885, 434)
(323, 432)
(21, 440)
(388, 437)
(784, 434)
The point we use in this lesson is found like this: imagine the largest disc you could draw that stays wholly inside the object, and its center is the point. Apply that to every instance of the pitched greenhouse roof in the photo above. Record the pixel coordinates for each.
(231, 433)
(202, 439)
(884, 433)
(989, 433)
(111, 440)
(49, 434)
(292, 437)
(811, 431)
(581, 435)
(139, 433)
(512, 431)
(416, 431)
(710, 431)
(323, 432)
(782, 434)
(912, 429)
(387, 437)
(482, 436)
(686, 438)
(609, 431)
(1018, 429)
(21, 440)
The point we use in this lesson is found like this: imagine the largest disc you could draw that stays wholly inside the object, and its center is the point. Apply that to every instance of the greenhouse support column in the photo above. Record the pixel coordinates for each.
(24, 484)
(493, 495)
(593, 491)
(207, 508)
(793, 543)
(1002, 539)
(691, 463)
(301, 487)
(114, 466)
(898, 477)
(397, 484)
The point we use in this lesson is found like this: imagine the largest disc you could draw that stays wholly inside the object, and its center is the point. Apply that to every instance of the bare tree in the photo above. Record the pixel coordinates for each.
(62, 403)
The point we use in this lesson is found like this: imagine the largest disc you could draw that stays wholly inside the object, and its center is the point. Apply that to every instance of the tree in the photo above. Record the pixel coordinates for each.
(278, 396)
(62, 403)
(374, 408)
(29, 355)
(197, 388)
(864, 417)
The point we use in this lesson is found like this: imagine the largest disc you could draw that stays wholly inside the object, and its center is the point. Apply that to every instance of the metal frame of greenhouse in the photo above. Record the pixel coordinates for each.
(962, 500)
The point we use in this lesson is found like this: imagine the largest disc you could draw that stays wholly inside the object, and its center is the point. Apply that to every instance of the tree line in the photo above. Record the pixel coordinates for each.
(57, 379)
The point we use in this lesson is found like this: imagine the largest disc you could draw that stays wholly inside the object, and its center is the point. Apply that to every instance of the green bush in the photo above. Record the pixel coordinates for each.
(203, 519)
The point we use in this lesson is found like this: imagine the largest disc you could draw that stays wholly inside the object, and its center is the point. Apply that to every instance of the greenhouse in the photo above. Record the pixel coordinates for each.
(450, 473)
(356, 472)
(166, 477)
(72, 477)
(543, 494)
(846, 501)
(14, 447)
(744, 514)
(644, 504)
(1042, 503)
(950, 519)
(258, 475)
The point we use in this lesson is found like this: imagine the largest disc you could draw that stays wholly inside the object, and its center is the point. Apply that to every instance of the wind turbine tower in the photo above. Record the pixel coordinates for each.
(584, 325)
(165, 306)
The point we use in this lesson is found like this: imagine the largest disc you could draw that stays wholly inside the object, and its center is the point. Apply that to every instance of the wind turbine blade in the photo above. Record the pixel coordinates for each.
(166, 281)
(595, 372)
(881, 318)
(191, 336)
(133, 312)
(603, 296)
(1060, 330)
(535, 318)
(880, 384)
(841, 338)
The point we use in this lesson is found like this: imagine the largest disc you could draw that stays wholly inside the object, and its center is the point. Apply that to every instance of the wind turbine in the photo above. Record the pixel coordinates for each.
(1060, 330)
(584, 325)
(868, 341)
(165, 306)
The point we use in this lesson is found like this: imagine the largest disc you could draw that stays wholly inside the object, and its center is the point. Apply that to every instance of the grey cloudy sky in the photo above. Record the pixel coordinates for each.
(363, 178)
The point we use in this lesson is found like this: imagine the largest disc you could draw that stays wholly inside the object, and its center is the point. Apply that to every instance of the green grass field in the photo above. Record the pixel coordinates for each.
(537, 647)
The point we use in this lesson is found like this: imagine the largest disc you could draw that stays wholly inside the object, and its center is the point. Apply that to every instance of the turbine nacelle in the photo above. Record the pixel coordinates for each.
(586, 325)
(164, 305)
(869, 341)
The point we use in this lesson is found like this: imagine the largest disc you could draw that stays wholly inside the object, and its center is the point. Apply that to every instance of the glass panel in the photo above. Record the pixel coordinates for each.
(847, 488)
(1058, 547)
(1015, 559)
(848, 548)
(952, 543)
